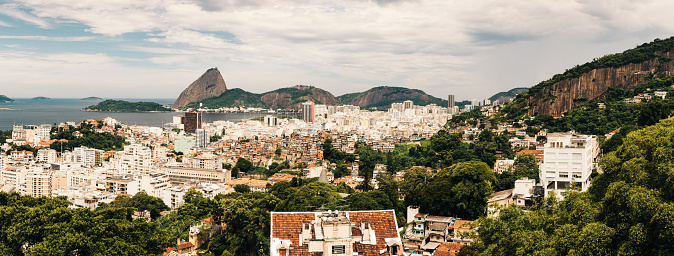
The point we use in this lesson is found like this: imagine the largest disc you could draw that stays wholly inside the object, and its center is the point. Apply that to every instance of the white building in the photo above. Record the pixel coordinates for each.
(568, 161)
(308, 111)
(135, 159)
(270, 120)
(46, 155)
(202, 138)
(88, 156)
(38, 183)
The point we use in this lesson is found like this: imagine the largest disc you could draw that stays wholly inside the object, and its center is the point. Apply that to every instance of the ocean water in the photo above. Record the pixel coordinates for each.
(36, 112)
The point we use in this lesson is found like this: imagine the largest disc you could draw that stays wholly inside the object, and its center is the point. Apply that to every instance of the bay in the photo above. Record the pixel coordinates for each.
(36, 112)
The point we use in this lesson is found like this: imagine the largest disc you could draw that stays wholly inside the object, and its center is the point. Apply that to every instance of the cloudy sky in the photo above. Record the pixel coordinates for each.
(155, 48)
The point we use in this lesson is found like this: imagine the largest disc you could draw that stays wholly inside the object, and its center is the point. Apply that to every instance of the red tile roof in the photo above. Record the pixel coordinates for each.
(288, 226)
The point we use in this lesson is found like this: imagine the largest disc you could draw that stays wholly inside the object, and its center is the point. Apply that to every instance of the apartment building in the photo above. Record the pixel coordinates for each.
(568, 159)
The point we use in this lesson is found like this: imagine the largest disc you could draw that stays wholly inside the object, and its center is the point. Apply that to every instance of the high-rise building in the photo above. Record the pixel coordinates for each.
(308, 111)
(136, 159)
(192, 121)
(270, 120)
(451, 101)
(408, 104)
(202, 139)
(88, 156)
(475, 103)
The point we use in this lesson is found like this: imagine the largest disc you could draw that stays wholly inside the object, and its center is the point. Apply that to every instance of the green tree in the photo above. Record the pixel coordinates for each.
(460, 190)
(242, 188)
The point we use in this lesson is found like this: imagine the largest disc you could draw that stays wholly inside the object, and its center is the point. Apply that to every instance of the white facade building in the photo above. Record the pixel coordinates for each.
(568, 161)
(135, 159)
(202, 138)
(46, 155)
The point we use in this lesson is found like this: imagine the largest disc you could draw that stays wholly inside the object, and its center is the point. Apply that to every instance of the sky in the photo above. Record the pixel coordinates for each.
(156, 48)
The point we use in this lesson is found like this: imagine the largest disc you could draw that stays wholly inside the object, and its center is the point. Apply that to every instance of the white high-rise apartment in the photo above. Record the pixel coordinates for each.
(270, 120)
(568, 161)
(202, 138)
(38, 183)
(308, 111)
(408, 104)
(136, 159)
(88, 156)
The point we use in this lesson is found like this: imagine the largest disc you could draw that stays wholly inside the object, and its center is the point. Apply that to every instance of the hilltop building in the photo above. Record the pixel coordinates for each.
(568, 159)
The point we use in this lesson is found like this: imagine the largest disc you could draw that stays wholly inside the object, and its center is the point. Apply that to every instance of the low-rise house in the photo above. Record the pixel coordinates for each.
(335, 233)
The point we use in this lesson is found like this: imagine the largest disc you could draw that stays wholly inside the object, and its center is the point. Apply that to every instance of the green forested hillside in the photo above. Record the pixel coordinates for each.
(231, 98)
(4, 98)
(125, 106)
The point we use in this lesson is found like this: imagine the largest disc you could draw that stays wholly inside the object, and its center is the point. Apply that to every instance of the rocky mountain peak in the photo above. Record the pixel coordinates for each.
(209, 85)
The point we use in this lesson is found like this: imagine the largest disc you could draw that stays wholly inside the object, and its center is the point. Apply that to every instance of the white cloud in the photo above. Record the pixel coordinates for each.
(13, 11)
(436, 45)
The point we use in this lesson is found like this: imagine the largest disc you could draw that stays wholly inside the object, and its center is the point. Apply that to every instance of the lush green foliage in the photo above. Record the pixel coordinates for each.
(141, 202)
(88, 138)
(392, 95)
(525, 165)
(231, 98)
(629, 209)
(46, 226)
(4, 98)
(591, 119)
(125, 106)
(460, 190)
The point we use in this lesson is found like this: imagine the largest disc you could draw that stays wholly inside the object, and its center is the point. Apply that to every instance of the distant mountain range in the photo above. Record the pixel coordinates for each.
(199, 94)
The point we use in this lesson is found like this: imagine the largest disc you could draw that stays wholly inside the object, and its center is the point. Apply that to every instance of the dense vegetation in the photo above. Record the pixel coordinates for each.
(629, 209)
(231, 98)
(46, 226)
(125, 106)
(396, 94)
(509, 94)
(85, 136)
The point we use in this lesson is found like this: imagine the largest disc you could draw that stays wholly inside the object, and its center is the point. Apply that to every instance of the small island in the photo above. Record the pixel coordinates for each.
(41, 98)
(4, 98)
(92, 98)
(125, 106)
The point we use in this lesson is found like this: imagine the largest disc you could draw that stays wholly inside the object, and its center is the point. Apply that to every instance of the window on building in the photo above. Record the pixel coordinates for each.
(338, 249)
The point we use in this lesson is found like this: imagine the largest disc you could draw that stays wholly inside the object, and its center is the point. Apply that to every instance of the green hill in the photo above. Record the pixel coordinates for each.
(597, 80)
(4, 98)
(508, 95)
(383, 96)
(125, 106)
(231, 98)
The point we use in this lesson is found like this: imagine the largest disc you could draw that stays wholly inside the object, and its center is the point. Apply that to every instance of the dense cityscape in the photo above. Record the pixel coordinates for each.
(336, 128)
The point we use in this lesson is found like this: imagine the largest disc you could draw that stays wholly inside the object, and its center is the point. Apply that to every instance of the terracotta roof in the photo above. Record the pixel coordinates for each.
(447, 249)
(288, 226)
(208, 220)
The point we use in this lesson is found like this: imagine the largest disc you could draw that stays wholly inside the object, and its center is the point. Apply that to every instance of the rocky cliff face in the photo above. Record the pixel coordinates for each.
(209, 85)
(292, 97)
(559, 97)
(383, 96)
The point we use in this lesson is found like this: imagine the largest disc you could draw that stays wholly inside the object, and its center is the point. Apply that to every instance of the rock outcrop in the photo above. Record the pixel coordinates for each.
(209, 85)
(559, 98)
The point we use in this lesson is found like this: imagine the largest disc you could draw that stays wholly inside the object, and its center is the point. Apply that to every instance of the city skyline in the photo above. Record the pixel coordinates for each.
(155, 49)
